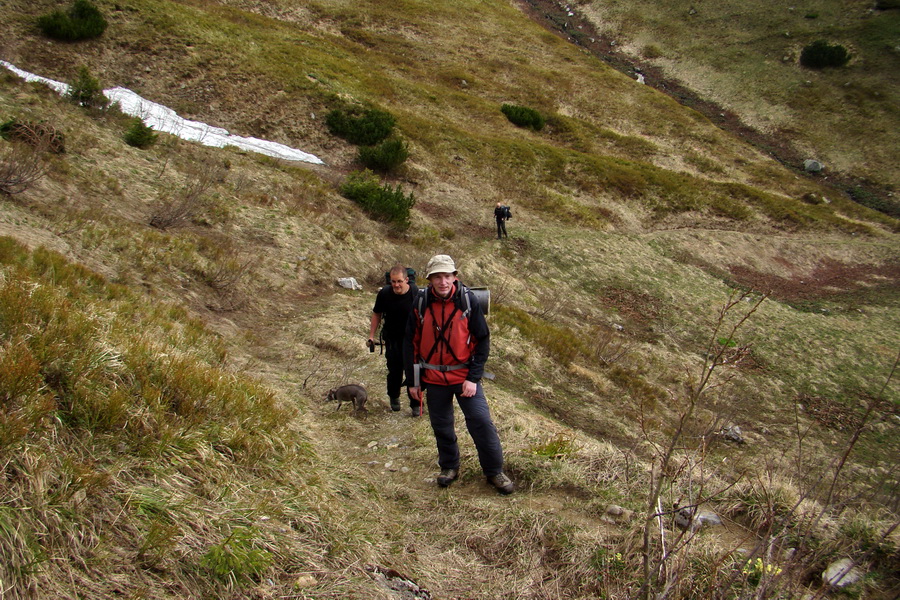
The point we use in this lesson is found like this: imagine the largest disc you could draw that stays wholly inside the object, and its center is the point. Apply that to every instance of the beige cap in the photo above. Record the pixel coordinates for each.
(440, 263)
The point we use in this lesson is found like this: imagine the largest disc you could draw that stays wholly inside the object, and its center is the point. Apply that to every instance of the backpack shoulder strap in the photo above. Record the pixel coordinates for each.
(420, 302)
(465, 300)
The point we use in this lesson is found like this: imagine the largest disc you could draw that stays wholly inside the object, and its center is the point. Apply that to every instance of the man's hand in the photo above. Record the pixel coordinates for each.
(468, 389)
(415, 393)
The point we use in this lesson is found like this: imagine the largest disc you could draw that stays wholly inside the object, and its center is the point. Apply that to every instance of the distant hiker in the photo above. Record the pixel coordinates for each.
(392, 305)
(502, 214)
(446, 347)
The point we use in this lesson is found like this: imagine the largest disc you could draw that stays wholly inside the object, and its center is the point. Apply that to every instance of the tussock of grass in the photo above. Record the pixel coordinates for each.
(94, 385)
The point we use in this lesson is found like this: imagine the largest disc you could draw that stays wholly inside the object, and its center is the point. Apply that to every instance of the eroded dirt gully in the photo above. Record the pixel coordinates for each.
(575, 28)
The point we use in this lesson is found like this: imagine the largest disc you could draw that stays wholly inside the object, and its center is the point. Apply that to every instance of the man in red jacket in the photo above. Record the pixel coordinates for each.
(445, 350)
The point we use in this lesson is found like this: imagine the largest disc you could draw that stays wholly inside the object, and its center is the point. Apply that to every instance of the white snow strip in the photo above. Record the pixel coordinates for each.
(60, 88)
(161, 118)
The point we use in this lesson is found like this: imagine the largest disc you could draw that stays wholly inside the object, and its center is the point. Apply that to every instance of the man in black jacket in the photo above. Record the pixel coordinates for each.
(501, 214)
(392, 305)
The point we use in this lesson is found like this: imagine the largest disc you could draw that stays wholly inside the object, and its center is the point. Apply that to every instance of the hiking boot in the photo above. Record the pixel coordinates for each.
(503, 483)
(395, 404)
(416, 410)
(447, 477)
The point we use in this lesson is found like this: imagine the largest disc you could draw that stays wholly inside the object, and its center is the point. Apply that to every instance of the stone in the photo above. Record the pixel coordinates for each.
(349, 283)
(617, 511)
(812, 166)
(841, 573)
(689, 517)
(684, 517)
(733, 433)
(706, 517)
(305, 581)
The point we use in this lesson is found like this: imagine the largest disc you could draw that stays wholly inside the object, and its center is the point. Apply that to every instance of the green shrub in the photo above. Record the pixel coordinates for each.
(863, 196)
(380, 201)
(86, 90)
(363, 128)
(140, 135)
(384, 157)
(820, 54)
(83, 21)
(237, 559)
(523, 116)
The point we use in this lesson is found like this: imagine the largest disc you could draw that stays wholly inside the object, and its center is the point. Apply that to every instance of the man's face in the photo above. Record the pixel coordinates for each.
(442, 283)
(399, 283)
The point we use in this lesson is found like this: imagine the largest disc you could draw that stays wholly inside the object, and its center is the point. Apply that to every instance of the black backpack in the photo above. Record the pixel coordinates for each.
(410, 273)
(508, 212)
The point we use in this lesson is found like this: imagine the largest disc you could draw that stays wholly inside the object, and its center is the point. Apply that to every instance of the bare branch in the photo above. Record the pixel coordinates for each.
(21, 164)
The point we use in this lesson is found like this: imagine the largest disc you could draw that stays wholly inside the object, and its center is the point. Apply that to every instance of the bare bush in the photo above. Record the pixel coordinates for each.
(38, 135)
(21, 163)
(609, 347)
(796, 522)
(318, 373)
(226, 274)
(552, 301)
(663, 561)
(226, 277)
(501, 290)
(187, 202)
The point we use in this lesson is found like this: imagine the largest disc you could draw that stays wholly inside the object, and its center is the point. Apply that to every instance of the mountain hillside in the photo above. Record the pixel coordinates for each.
(678, 320)
(746, 58)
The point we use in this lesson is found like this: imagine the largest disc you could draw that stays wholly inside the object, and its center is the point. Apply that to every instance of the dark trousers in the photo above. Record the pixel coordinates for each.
(393, 354)
(501, 227)
(478, 422)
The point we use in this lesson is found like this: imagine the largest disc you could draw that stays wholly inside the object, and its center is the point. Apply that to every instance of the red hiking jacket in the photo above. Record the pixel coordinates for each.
(444, 336)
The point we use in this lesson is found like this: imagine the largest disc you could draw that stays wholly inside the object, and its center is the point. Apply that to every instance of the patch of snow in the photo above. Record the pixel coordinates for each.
(60, 88)
(166, 120)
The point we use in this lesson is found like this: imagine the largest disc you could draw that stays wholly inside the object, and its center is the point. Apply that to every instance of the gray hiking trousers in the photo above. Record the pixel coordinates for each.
(478, 423)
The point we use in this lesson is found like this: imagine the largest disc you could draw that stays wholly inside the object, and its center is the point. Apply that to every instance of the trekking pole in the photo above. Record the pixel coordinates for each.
(417, 383)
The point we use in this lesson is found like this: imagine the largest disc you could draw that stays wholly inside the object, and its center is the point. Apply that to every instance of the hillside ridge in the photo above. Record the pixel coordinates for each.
(571, 24)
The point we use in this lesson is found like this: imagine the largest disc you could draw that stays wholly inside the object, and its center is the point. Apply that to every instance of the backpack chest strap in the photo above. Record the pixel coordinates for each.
(443, 368)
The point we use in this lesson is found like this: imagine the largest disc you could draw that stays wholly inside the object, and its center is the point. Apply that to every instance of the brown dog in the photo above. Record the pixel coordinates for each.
(349, 393)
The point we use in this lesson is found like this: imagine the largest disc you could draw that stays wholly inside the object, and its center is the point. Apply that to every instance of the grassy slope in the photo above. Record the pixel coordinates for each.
(745, 57)
(638, 222)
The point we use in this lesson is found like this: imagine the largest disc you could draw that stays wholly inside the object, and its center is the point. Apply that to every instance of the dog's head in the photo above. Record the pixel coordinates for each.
(332, 394)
